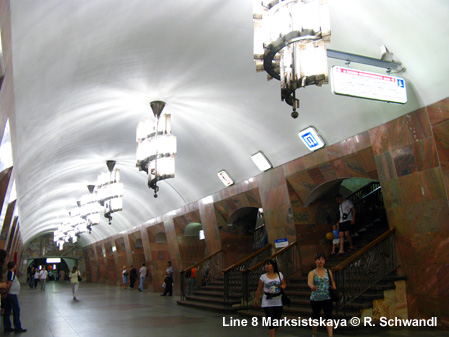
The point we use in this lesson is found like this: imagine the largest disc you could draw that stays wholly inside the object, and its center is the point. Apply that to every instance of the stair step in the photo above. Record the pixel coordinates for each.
(208, 299)
(212, 288)
(209, 306)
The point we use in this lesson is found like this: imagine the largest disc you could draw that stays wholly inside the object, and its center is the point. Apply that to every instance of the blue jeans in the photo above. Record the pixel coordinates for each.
(11, 303)
(142, 281)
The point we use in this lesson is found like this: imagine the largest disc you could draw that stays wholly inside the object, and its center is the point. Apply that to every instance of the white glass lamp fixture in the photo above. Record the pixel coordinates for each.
(110, 190)
(261, 161)
(156, 147)
(289, 43)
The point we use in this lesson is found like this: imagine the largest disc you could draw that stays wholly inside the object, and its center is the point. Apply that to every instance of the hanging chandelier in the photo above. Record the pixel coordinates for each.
(289, 44)
(110, 190)
(107, 193)
(156, 147)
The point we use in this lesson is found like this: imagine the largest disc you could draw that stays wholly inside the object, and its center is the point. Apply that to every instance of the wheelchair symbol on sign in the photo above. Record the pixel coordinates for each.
(401, 83)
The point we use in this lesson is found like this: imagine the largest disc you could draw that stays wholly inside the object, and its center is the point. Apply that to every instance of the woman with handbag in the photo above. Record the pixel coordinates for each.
(272, 283)
(320, 281)
(75, 278)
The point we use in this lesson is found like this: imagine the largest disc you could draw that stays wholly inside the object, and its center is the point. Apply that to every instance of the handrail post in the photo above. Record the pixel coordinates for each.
(183, 297)
(245, 288)
(226, 287)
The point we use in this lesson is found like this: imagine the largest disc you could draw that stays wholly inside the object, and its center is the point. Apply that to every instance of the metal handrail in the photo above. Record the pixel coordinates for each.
(287, 261)
(364, 269)
(208, 269)
(241, 262)
(233, 279)
(357, 254)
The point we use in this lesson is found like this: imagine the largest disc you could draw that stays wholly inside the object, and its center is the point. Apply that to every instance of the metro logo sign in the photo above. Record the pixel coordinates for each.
(363, 84)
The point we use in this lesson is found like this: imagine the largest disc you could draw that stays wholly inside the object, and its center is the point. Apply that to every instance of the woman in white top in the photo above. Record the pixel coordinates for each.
(74, 281)
(272, 282)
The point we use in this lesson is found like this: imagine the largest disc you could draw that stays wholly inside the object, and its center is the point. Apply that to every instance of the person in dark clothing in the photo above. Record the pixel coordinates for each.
(168, 280)
(132, 276)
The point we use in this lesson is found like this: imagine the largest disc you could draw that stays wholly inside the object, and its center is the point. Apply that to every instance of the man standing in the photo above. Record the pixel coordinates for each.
(43, 277)
(11, 302)
(143, 273)
(346, 220)
(132, 276)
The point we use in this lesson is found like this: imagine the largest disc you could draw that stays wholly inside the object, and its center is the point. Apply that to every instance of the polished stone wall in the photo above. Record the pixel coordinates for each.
(410, 158)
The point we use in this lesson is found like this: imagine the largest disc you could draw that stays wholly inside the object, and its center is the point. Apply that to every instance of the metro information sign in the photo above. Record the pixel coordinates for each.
(353, 82)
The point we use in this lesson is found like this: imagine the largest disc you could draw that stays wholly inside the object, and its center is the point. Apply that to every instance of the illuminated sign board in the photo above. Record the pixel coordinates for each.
(311, 139)
(363, 84)
(225, 178)
(51, 260)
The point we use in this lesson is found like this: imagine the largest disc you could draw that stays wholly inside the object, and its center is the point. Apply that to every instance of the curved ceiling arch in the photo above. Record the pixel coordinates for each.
(78, 100)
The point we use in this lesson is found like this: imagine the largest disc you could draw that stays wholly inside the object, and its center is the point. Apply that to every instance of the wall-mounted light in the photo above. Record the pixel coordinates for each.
(225, 178)
(261, 161)
(311, 139)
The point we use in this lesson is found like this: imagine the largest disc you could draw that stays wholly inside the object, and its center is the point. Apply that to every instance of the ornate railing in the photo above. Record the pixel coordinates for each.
(207, 270)
(233, 279)
(364, 269)
(258, 236)
(360, 193)
(287, 260)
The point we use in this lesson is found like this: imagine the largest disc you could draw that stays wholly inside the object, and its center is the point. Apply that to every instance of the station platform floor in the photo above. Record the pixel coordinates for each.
(102, 310)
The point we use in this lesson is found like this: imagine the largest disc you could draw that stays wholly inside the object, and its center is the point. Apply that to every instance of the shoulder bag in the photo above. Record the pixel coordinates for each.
(332, 292)
(284, 298)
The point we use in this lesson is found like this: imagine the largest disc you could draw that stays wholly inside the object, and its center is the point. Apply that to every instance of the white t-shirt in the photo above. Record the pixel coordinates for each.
(15, 285)
(271, 286)
(143, 271)
(74, 277)
(345, 208)
(43, 274)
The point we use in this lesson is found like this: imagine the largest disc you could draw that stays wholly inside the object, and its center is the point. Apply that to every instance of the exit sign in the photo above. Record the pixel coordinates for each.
(363, 84)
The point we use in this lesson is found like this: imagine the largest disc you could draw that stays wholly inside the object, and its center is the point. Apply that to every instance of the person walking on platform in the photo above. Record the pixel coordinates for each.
(75, 278)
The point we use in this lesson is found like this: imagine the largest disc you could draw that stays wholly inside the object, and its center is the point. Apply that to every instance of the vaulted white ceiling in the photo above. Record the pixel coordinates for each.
(85, 72)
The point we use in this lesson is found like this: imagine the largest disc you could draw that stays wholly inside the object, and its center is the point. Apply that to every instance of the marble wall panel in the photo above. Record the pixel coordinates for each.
(404, 160)
(438, 112)
(419, 125)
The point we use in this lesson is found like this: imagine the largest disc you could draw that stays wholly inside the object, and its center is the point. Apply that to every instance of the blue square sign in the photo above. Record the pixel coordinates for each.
(311, 139)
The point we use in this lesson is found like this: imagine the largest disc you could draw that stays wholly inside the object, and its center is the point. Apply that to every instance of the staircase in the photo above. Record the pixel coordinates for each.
(372, 226)
(211, 297)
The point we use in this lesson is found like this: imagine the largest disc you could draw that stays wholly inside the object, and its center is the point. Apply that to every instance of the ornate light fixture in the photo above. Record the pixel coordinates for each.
(289, 37)
(156, 147)
(108, 193)
(110, 190)
(90, 208)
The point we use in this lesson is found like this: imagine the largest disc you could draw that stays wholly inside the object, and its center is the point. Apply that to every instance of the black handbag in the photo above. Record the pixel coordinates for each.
(332, 292)
(284, 298)
(79, 278)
